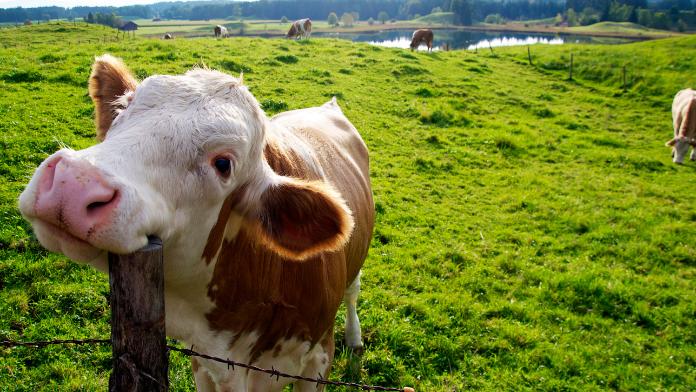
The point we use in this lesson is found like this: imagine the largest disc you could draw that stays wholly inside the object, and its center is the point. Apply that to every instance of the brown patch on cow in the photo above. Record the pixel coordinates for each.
(257, 290)
(195, 366)
(287, 162)
(218, 231)
(276, 350)
(109, 80)
(291, 33)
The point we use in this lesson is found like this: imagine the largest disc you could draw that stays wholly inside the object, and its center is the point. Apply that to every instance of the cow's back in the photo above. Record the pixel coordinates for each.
(325, 145)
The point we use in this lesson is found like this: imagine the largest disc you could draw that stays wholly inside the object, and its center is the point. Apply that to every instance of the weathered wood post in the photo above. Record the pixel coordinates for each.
(529, 55)
(571, 67)
(138, 340)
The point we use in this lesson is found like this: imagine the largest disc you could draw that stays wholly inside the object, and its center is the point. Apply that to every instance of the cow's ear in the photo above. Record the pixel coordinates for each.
(671, 143)
(110, 79)
(299, 219)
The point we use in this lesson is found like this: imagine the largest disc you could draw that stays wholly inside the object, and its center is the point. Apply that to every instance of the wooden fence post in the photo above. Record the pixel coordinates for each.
(571, 67)
(529, 55)
(141, 360)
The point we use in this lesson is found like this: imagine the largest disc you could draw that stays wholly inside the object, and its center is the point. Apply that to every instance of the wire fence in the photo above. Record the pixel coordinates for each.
(230, 364)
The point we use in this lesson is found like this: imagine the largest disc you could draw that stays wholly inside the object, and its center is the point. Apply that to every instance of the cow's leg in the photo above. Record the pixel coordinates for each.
(693, 154)
(353, 334)
(204, 383)
(319, 364)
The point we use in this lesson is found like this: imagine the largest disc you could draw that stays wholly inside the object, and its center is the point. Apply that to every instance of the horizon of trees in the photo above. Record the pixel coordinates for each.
(465, 11)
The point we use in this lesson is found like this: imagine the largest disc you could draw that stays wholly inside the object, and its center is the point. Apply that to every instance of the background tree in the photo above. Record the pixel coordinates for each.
(370, 21)
(283, 20)
(559, 19)
(462, 12)
(46, 17)
(644, 18)
(633, 16)
(383, 17)
(436, 10)
(660, 21)
(416, 16)
(90, 18)
(356, 16)
(572, 18)
(333, 19)
(347, 20)
(237, 11)
(27, 22)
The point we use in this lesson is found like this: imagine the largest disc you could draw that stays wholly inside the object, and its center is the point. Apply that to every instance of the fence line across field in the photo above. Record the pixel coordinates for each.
(231, 364)
(139, 347)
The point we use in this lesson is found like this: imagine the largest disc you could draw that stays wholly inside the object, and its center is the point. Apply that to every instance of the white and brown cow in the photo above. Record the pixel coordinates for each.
(299, 27)
(221, 32)
(684, 118)
(167, 36)
(422, 36)
(265, 222)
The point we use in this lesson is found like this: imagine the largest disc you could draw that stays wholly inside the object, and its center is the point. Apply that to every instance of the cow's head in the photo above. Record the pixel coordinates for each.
(181, 157)
(681, 146)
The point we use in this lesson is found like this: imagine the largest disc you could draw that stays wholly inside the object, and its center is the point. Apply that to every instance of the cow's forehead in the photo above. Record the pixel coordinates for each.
(194, 87)
(199, 109)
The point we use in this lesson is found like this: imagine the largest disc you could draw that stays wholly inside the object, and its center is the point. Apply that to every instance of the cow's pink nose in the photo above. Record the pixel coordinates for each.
(74, 197)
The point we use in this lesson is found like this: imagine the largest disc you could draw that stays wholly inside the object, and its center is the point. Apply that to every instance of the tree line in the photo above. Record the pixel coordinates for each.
(465, 11)
(19, 14)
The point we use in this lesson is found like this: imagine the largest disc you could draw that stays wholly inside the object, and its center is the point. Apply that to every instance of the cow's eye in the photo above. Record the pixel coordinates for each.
(223, 165)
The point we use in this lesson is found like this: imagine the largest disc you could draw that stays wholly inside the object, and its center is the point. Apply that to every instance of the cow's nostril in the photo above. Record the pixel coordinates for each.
(97, 206)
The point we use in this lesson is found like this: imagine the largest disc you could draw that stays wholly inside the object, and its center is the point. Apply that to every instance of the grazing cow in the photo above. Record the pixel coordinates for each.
(299, 27)
(684, 117)
(265, 222)
(422, 36)
(221, 31)
(167, 36)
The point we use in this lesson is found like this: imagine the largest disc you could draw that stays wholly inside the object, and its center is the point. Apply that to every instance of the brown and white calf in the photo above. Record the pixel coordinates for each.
(684, 118)
(299, 27)
(221, 32)
(422, 36)
(265, 222)
(167, 36)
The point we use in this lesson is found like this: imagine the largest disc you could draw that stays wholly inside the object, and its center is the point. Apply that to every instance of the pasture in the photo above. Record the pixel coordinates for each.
(532, 232)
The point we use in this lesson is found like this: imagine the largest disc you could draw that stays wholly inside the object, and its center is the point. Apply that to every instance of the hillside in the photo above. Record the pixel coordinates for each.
(532, 232)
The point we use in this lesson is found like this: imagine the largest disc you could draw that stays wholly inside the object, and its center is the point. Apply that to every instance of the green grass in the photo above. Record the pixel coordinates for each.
(620, 27)
(531, 232)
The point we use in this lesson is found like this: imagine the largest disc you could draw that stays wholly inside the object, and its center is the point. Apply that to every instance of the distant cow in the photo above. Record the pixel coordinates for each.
(684, 117)
(302, 26)
(422, 36)
(167, 36)
(221, 31)
(265, 222)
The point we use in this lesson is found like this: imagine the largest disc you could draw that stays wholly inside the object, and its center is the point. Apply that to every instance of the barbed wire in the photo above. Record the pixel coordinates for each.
(278, 374)
(42, 344)
(190, 352)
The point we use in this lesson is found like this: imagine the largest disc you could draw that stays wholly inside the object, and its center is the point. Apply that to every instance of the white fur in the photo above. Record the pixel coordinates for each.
(350, 298)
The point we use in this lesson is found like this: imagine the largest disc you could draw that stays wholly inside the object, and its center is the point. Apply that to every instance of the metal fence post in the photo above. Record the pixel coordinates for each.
(140, 356)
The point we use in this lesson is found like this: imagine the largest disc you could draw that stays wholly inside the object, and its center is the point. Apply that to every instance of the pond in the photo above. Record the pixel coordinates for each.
(458, 39)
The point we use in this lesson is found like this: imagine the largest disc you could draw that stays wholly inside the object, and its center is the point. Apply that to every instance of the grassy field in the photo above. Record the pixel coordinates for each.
(532, 232)
(620, 27)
